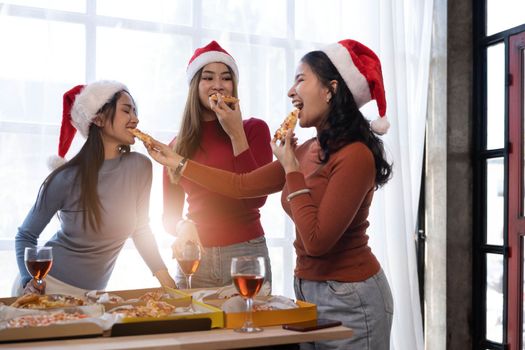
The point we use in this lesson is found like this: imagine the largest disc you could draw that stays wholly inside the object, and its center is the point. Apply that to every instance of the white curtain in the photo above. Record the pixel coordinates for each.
(405, 36)
(48, 47)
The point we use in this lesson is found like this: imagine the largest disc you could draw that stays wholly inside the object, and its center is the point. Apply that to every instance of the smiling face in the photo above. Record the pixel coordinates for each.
(215, 78)
(310, 96)
(114, 132)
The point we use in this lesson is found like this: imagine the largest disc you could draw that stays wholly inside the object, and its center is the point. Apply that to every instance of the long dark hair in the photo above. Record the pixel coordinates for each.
(88, 162)
(345, 123)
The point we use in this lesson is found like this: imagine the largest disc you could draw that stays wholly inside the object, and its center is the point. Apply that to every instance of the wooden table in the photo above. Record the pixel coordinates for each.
(209, 340)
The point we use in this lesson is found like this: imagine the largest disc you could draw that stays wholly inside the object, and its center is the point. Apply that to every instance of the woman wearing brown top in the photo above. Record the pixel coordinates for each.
(327, 186)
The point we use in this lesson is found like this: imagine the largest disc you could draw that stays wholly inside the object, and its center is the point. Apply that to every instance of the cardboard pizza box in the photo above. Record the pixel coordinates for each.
(304, 312)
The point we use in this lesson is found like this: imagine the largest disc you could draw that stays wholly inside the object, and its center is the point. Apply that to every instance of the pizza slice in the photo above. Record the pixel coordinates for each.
(47, 301)
(226, 99)
(142, 136)
(287, 125)
(25, 299)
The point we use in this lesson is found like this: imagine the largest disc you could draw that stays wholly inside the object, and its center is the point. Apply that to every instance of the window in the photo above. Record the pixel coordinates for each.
(50, 46)
(496, 276)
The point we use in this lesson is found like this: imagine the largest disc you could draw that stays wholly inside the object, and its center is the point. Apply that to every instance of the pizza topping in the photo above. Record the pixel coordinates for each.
(155, 295)
(151, 309)
(142, 136)
(226, 99)
(287, 125)
(49, 301)
(42, 320)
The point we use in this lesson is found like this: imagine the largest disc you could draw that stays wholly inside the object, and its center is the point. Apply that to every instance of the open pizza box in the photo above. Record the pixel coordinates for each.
(98, 322)
(30, 324)
(262, 318)
(217, 297)
(185, 307)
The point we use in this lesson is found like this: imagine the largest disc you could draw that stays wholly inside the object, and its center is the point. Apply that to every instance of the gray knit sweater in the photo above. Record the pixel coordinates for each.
(82, 257)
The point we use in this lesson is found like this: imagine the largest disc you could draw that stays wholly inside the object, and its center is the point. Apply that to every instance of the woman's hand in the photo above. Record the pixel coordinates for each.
(228, 115)
(33, 288)
(163, 154)
(186, 231)
(165, 279)
(285, 152)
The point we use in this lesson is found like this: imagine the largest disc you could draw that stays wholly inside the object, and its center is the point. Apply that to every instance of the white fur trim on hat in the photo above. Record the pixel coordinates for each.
(89, 102)
(54, 162)
(380, 126)
(210, 57)
(353, 78)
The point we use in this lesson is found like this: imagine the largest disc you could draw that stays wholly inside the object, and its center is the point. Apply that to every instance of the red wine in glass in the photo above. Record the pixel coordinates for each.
(248, 285)
(38, 261)
(189, 267)
(188, 255)
(248, 276)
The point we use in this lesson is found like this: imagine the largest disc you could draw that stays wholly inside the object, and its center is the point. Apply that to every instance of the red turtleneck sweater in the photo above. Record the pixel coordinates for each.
(220, 220)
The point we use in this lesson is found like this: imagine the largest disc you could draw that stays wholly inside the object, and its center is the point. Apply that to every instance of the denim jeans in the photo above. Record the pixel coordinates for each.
(367, 307)
(214, 269)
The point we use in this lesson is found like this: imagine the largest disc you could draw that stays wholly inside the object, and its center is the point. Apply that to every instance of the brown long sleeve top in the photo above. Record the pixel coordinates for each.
(331, 221)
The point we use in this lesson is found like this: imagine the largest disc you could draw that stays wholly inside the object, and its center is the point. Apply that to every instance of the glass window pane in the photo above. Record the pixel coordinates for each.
(164, 11)
(276, 259)
(494, 303)
(496, 96)
(153, 66)
(328, 24)
(272, 217)
(246, 16)
(38, 67)
(63, 5)
(263, 81)
(34, 148)
(504, 14)
(495, 201)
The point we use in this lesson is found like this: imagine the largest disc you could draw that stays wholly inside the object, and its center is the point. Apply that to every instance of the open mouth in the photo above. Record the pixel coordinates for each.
(298, 105)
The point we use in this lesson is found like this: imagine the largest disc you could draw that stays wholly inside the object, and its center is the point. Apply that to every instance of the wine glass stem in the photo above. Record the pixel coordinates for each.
(188, 281)
(249, 321)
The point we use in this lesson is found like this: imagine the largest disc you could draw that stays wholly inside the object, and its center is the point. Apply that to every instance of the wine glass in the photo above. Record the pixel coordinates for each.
(38, 261)
(248, 276)
(188, 256)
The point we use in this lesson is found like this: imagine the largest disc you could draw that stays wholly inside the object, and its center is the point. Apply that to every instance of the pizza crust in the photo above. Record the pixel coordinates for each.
(226, 99)
(142, 136)
(287, 125)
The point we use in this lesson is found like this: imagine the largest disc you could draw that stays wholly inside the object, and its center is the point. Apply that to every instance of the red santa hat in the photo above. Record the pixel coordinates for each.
(361, 70)
(80, 107)
(210, 53)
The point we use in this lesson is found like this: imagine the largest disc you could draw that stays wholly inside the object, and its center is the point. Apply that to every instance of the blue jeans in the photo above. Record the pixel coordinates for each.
(214, 269)
(367, 307)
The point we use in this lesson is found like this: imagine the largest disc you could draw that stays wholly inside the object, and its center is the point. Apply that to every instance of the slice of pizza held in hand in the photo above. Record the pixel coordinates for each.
(287, 125)
(226, 99)
(142, 136)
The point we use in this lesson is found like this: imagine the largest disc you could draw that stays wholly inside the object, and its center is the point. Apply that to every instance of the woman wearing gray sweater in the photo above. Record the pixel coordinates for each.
(101, 196)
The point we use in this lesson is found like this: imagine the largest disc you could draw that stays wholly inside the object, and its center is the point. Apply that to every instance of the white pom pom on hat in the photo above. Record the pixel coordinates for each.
(80, 107)
(213, 52)
(361, 70)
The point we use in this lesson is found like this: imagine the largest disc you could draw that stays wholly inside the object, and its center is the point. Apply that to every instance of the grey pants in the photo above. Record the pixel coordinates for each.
(214, 269)
(367, 307)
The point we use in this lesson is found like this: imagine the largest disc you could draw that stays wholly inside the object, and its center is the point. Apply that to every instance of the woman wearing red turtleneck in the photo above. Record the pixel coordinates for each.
(213, 133)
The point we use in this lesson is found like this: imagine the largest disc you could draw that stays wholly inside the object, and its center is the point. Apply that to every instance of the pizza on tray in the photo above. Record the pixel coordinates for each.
(151, 309)
(42, 320)
(47, 301)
